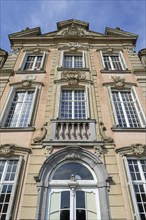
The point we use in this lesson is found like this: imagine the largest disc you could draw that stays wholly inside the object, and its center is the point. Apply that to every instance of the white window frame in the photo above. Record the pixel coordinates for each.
(68, 53)
(137, 105)
(22, 65)
(85, 89)
(14, 182)
(121, 60)
(136, 182)
(8, 104)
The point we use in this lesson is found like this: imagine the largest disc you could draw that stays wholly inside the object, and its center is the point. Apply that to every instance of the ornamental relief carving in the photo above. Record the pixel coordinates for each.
(48, 151)
(74, 46)
(118, 81)
(133, 150)
(72, 31)
(98, 150)
(138, 149)
(73, 77)
(7, 150)
(73, 156)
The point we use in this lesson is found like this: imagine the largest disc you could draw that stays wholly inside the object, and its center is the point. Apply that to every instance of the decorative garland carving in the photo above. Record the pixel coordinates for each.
(26, 83)
(42, 135)
(73, 156)
(102, 129)
(73, 77)
(118, 81)
(137, 149)
(48, 151)
(7, 150)
(73, 30)
(133, 150)
(98, 150)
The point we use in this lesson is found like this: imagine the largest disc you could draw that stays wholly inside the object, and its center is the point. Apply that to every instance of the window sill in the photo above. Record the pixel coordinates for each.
(120, 129)
(16, 129)
(72, 69)
(116, 71)
(30, 71)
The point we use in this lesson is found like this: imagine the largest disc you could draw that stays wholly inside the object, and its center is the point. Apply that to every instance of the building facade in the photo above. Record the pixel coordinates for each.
(72, 127)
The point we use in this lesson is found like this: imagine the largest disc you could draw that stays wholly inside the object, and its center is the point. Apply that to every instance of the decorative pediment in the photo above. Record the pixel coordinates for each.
(26, 33)
(119, 32)
(132, 150)
(73, 28)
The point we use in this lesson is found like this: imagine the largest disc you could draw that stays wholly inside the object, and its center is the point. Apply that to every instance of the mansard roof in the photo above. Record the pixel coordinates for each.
(72, 29)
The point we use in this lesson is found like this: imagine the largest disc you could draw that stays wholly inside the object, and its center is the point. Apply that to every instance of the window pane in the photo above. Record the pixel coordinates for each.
(65, 199)
(64, 215)
(80, 214)
(79, 171)
(80, 199)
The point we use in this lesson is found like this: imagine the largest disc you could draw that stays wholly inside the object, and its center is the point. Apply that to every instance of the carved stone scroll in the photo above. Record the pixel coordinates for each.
(102, 129)
(42, 135)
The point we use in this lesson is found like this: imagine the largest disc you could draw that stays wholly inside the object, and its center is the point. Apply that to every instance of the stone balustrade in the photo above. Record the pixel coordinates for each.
(73, 130)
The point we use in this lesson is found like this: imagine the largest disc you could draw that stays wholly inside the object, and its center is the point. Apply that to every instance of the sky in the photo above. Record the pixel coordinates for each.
(16, 15)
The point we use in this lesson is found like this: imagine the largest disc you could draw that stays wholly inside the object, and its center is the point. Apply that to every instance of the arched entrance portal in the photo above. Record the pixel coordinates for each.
(72, 186)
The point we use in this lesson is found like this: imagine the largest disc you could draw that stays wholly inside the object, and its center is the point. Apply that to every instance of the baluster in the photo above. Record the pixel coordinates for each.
(88, 130)
(72, 130)
(61, 132)
(78, 131)
(57, 131)
(67, 131)
(84, 131)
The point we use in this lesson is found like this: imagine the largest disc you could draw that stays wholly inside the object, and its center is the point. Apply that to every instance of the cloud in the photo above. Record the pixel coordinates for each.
(128, 15)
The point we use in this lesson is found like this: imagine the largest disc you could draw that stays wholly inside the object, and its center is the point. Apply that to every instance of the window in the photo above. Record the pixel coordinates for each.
(126, 108)
(137, 180)
(73, 201)
(33, 62)
(8, 178)
(73, 104)
(113, 61)
(19, 108)
(75, 60)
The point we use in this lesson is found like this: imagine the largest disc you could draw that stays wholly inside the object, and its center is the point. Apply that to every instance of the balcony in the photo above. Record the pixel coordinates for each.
(73, 130)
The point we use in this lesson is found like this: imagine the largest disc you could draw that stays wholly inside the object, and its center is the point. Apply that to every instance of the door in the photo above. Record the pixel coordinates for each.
(72, 204)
